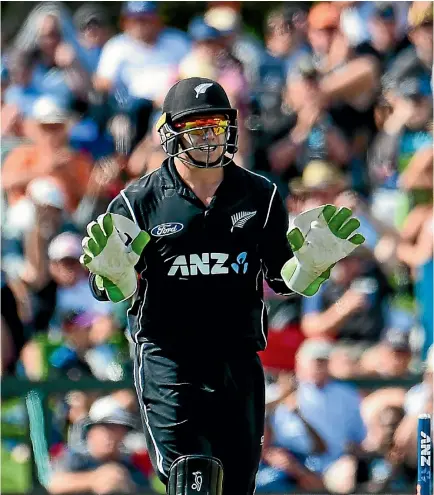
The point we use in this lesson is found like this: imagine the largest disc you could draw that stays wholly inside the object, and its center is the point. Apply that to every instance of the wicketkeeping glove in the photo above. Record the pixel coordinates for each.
(320, 239)
(106, 255)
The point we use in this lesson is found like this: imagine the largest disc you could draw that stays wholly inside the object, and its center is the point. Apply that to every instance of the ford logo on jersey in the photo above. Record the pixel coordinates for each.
(166, 229)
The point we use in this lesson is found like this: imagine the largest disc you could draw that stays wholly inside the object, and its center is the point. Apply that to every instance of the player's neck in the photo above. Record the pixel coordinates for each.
(199, 177)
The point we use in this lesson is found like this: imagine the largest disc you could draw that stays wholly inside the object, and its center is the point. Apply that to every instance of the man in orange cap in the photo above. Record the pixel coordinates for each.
(323, 23)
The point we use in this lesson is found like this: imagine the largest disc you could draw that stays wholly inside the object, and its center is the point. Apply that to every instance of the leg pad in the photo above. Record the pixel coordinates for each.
(194, 475)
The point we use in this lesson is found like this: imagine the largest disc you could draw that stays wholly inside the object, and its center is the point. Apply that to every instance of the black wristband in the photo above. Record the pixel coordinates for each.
(98, 294)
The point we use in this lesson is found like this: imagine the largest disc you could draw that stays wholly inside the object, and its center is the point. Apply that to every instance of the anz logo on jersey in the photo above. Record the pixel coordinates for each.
(208, 264)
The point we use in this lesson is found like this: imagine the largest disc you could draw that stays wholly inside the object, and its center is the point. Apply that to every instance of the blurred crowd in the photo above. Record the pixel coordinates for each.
(335, 106)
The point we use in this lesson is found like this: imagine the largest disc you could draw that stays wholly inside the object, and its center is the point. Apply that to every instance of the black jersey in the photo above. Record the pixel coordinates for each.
(201, 274)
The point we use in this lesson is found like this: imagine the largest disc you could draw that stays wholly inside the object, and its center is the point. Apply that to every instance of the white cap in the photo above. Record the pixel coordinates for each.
(104, 406)
(66, 245)
(314, 349)
(45, 191)
(48, 111)
(222, 18)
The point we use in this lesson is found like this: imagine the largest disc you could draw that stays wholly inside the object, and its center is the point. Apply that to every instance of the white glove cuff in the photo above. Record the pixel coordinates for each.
(295, 277)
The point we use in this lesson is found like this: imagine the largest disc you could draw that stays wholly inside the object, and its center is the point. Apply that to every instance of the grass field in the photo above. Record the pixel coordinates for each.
(15, 476)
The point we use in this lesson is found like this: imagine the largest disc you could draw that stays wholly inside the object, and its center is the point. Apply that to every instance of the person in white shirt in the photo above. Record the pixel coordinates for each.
(141, 62)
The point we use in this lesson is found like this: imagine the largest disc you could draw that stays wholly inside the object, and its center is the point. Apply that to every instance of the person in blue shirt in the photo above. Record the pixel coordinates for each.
(283, 52)
(138, 63)
(47, 75)
(93, 26)
(351, 305)
(289, 440)
(138, 66)
(21, 91)
(333, 410)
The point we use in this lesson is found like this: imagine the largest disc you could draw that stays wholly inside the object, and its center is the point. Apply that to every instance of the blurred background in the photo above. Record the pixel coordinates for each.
(335, 106)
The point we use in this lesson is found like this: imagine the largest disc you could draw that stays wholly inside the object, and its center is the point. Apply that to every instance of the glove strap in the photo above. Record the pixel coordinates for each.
(302, 281)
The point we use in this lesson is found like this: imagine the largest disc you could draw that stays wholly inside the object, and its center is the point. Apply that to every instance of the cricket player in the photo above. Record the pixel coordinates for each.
(191, 244)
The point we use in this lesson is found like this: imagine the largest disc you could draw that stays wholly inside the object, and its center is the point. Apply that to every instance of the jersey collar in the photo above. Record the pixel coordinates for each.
(172, 180)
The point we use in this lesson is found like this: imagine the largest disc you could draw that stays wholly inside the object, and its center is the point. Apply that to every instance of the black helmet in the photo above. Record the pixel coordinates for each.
(196, 96)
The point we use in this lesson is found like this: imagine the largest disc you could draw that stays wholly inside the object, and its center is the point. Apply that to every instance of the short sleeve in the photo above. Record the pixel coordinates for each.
(415, 399)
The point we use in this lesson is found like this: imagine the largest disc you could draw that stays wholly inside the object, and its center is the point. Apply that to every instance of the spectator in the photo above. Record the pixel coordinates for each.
(210, 56)
(48, 156)
(76, 410)
(284, 46)
(90, 133)
(81, 405)
(333, 410)
(350, 72)
(56, 279)
(58, 71)
(349, 82)
(372, 405)
(200, 61)
(418, 400)
(416, 251)
(322, 183)
(289, 440)
(351, 305)
(390, 358)
(93, 26)
(18, 95)
(282, 38)
(309, 132)
(381, 238)
(107, 180)
(344, 363)
(144, 57)
(44, 202)
(240, 44)
(68, 358)
(103, 468)
(138, 66)
(21, 91)
(387, 471)
(404, 133)
(319, 184)
(416, 61)
(73, 291)
(78, 351)
(385, 36)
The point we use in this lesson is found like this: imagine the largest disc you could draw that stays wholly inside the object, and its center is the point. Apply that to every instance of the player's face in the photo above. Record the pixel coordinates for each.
(207, 136)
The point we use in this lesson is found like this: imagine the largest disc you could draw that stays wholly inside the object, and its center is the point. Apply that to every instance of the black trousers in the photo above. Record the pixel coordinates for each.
(196, 405)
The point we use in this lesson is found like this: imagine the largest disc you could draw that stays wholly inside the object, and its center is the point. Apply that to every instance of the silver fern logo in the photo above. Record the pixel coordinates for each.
(201, 89)
(240, 219)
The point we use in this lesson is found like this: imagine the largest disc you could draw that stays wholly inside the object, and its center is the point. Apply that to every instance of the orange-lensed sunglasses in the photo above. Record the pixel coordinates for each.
(217, 125)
